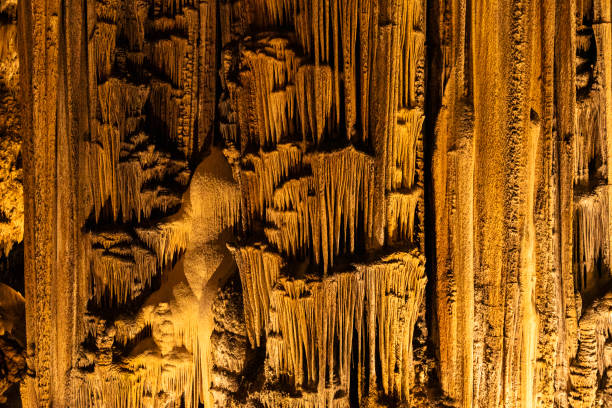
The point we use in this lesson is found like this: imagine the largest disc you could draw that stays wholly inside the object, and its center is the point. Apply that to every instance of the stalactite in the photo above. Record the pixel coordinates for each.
(412, 40)
(118, 99)
(274, 12)
(107, 10)
(314, 100)
(590, 139)
(259, 270)
(313, 210)
(273, 67)
(401, 211)
(394, 290)
(168, 55)
(320, 209)
(124, 180)
(11, 135)
(328, 32)
(402, 149)
(120, 266)
(344, 185)
(105, 36)
(309, 318)
(156, 131)
(167, 104)
(328, 398)
(290, 216)
(141, 383)
(167, 239)
(263, 172)
(592, 237)
(168, 362)
(228, 104)
(133, 179)
(122, 161)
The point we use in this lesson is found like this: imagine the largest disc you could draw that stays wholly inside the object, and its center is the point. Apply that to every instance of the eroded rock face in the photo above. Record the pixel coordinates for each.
(297, 204)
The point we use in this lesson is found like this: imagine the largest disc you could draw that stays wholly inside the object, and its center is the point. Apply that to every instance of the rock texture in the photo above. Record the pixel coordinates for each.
(12, 341)
(305, 203)
(11, 187)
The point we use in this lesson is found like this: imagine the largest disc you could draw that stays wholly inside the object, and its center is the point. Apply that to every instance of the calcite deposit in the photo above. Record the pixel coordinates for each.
(305, 203)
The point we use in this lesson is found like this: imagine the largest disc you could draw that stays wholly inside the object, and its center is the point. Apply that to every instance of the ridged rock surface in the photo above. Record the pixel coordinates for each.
(305, 203)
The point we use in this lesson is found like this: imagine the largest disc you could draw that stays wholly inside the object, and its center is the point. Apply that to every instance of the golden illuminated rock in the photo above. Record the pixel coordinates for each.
(305, 203)
(11, 188)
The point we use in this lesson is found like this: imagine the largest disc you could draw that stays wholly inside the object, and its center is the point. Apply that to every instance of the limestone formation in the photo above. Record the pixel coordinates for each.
(305, 203)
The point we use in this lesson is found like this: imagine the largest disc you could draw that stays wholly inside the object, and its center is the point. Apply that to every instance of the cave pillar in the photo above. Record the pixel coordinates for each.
(493, 195)
(53, 81)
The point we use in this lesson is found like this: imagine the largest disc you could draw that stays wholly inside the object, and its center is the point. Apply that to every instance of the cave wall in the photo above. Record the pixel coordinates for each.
(305, 203)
